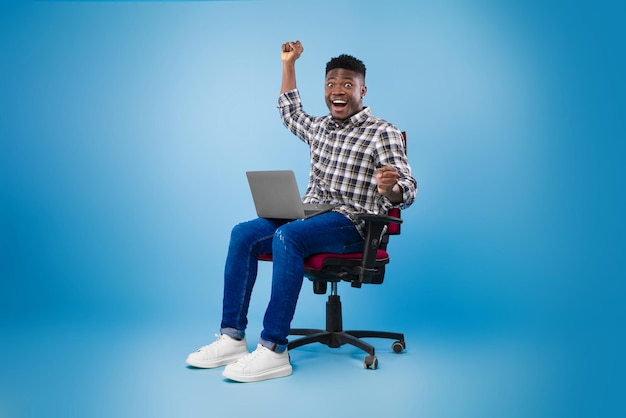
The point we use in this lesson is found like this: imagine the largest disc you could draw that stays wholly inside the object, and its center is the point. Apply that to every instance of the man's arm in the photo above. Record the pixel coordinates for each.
(290, 52)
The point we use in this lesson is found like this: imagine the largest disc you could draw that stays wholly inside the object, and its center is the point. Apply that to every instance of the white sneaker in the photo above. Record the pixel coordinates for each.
(223, 351)
(261, 364)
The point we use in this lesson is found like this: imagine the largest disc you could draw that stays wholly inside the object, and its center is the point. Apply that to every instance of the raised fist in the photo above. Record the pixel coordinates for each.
(291, 51)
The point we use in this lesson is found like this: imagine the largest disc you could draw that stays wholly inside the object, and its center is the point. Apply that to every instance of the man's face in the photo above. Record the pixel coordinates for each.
(344, 93)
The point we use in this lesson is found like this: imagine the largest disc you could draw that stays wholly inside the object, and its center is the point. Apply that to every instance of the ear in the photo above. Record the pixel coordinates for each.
(363, 91)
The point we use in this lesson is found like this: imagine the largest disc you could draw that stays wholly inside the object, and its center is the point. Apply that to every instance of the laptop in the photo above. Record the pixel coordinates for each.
(276, 195)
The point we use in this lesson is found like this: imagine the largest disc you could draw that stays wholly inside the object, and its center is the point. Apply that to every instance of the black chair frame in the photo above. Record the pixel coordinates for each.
(367, 267)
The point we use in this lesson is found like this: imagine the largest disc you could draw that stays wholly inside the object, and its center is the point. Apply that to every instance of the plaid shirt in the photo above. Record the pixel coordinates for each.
(344, 158)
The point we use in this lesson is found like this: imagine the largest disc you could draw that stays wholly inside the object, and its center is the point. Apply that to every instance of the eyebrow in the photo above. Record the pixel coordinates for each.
(339, 78)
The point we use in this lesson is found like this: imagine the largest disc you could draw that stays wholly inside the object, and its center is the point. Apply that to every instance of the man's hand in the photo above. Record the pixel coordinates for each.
(291, 51)
(386, 178)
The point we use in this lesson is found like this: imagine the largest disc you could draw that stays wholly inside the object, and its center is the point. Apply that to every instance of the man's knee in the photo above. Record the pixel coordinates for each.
(244, 230)
(286, 238)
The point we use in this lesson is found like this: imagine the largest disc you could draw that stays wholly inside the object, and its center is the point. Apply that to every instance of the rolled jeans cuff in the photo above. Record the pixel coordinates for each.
(278, 348)
(234, 333)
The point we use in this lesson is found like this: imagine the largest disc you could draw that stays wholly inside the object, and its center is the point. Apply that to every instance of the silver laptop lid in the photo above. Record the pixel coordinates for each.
(276, 195)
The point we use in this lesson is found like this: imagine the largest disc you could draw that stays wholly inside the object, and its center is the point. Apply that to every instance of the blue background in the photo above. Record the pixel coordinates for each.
(125, 132)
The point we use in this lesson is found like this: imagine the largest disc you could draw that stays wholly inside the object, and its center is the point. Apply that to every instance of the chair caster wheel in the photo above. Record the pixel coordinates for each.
(370, 362)
(398, 346)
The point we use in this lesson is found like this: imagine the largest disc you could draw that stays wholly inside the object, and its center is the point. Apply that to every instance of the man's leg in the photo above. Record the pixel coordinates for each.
(248, 240)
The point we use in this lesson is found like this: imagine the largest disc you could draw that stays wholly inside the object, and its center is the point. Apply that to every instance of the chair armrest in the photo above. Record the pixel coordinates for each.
(375, 228)
(378, 218)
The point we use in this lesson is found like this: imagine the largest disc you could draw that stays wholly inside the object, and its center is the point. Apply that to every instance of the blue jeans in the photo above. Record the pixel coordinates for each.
(290, 243)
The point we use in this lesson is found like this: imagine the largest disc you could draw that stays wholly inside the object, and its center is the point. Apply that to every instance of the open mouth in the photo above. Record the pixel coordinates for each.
(339, 104)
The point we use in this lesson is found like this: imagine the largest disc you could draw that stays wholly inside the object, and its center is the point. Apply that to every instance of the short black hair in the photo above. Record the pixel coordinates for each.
(347, 62)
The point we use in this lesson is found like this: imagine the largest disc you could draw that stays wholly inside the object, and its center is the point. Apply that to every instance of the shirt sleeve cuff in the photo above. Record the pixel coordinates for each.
(289, 98)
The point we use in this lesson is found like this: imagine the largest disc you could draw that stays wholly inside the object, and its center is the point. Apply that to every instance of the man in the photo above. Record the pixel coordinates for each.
(358, 163)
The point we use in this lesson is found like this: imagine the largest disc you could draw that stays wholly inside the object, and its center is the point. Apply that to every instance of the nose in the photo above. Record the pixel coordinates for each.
(337, 91)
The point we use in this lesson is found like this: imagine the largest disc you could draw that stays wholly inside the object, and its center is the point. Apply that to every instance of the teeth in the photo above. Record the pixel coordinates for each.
(339, 102)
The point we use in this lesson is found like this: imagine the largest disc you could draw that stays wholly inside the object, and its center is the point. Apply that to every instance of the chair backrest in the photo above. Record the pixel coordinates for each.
(394, 228)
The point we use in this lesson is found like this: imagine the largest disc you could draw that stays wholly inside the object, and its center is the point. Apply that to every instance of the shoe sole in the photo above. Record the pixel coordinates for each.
(282, 371)
(217, 363)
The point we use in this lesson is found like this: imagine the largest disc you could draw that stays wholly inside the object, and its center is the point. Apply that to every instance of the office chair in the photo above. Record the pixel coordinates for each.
(367, 267)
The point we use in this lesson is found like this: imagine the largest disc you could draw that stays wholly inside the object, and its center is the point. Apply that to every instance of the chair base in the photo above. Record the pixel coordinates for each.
(335, 339)
(334, 336)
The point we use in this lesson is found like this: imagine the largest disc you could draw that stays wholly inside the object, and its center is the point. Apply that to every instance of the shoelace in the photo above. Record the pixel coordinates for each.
(251, 356)
(218, 339)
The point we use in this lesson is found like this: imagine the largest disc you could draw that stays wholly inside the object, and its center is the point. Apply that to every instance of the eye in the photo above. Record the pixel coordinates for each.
(330, 85)
(348, 85)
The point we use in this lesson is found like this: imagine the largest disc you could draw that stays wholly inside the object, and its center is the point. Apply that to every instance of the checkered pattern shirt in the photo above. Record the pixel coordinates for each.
(344, 158)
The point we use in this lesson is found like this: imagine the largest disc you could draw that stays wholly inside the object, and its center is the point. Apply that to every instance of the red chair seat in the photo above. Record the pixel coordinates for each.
(316, 261)
(265, 257)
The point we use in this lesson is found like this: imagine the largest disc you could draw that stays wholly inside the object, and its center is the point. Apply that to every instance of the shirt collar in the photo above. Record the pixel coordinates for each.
(354, 120)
